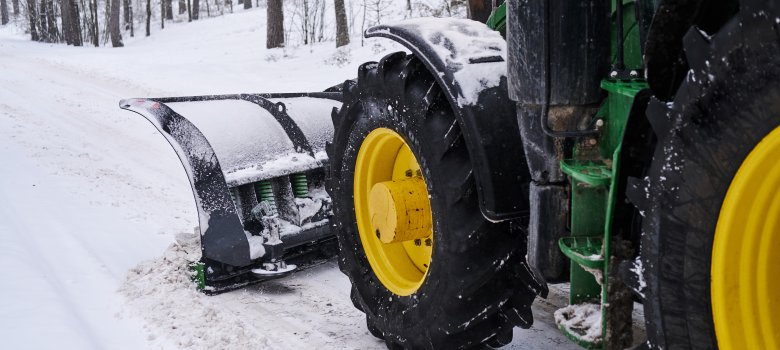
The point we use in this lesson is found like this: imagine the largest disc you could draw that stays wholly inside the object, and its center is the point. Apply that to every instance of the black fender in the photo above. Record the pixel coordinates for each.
(488, 122)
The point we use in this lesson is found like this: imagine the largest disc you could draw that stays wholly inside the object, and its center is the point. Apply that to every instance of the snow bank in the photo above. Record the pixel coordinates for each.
(162, 293)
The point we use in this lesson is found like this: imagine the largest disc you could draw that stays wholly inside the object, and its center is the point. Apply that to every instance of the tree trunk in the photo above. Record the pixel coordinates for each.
(342, 30)
(95, 28)
(148, 17)
(182, 6)
(162, 14)
(16, 7)
(126, 11)
(247, 4)
(189, 11)
(33, 16)
(67, 36)
(195, 9)
(275, 24)
(53, 33)
(4, 12)
(479, 10)
(43, 30)
(113, 25)
(169, 9)
(71, 24)
(132, 20)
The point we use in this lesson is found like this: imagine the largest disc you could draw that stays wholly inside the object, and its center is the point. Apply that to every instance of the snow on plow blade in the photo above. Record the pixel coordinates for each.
(255, 164)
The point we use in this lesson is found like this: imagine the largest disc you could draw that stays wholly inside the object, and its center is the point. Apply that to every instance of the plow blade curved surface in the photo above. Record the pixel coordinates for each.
(244, 149)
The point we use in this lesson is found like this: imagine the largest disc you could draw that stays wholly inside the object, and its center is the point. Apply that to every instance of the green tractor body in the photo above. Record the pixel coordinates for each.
(629, 148)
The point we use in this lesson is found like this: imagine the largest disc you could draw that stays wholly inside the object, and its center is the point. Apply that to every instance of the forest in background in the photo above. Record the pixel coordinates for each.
(290, 22)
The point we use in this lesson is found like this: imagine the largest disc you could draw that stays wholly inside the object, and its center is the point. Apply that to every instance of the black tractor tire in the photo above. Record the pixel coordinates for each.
(478, 286)
(728, 102)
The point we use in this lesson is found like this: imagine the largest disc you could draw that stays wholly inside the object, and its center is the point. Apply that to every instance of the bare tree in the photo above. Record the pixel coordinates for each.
(113, 25)
(189, 11)
(168, 9)
(195, 9)
(247, 4)
(71, 24)
(16, 7)
(94, 28)
(275, 24)
(4, 12)
(162, 14)
(479, 10)
(342, 31)
(48, 22)
(148, 17)
(128, 14)
(33, 17)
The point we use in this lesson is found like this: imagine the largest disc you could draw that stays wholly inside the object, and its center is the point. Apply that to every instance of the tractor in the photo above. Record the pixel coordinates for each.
(629, 148)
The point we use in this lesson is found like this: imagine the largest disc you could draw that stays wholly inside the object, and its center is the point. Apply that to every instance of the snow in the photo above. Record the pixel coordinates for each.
(639, 270)
(462, 44)
(93, 199)
(581, 319)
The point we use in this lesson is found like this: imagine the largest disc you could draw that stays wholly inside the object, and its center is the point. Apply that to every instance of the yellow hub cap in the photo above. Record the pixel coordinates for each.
(745, 288)
(393, 211)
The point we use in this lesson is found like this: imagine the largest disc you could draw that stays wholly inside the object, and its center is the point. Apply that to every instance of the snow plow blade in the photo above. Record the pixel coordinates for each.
(255, 164)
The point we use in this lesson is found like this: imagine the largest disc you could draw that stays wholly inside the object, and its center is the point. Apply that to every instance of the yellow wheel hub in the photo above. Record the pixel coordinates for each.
(745, 288)
(393, 211)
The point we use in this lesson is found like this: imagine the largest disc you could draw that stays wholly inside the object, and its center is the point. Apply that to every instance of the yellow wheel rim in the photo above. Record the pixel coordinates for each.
(745, 287)
(393, 211)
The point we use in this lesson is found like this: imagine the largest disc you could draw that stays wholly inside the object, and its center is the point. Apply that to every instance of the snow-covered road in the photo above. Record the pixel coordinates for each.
(91, 194)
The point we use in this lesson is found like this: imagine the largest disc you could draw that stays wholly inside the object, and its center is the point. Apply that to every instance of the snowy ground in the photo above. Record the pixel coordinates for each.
(93, 199)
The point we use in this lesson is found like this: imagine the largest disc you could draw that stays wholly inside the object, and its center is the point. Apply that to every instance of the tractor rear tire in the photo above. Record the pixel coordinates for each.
(478, 286)
(728, 103)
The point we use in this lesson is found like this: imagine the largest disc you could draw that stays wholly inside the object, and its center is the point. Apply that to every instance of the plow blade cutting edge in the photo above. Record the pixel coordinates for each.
(255, 164)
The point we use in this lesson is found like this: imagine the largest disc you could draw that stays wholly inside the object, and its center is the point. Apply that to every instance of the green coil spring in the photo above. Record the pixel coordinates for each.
(233, 195)
(300, 185)
(265, 192)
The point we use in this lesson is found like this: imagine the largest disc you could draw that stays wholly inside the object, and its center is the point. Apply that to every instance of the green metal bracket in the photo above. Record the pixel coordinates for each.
(594, 173)
(585, 251)
(497, 19)
(594, 194)
(199, 275)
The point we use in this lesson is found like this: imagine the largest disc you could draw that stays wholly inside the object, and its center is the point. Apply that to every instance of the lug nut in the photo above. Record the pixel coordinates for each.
(408, 173)
(417, 242)
(428, 242)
